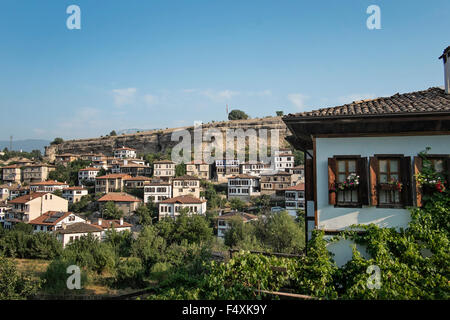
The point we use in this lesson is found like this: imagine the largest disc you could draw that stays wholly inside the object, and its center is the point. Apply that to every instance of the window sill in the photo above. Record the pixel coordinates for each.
(391, 206)
(348, 205)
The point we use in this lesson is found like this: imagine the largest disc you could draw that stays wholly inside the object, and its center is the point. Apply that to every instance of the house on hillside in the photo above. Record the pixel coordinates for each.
(111, 182)
(186, 185)
(48, 186)
(54, 220)
(36, 172)
(361, 158)
(87, 175)
(157, 191)
(28, 207)
(123, 201)
(12, 173)
(164, 170)
(118, 225)
(171, 207)
(124, 152)
(295, 198)
(199, 169)
(72, 232)
(243, 186)
(226, 168)
(74, 194)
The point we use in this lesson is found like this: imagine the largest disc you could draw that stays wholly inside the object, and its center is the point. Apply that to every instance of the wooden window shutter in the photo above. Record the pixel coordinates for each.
(362, 172)
(331, 180)
(405, 167)
(417, 168)
(309, 174)
(373, 181)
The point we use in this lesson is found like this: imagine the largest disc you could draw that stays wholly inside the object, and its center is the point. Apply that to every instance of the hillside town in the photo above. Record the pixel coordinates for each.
(222, 155)
(28, 193)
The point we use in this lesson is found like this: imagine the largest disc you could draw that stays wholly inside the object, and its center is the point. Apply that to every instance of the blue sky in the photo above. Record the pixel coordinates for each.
(157, 64)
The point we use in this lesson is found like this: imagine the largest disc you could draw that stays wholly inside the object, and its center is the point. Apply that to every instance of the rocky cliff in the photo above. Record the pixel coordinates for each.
(159, 140)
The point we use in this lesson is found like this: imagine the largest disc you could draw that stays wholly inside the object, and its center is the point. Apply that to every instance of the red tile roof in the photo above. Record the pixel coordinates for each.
(299, 187)
(243, 176)
(119, 197)
(75, 188)
(107, 224)
(79, 227)
(41, 220)
(123, 176)
(49, 183)
(90, 169)
(138, 178)
(245, 216)
(186, 177)
(28, 197)
(184, 200)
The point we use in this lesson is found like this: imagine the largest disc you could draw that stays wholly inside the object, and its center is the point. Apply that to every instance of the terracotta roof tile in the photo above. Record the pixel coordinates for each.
(80, 227)
(184, 200)
(426, 101)
(41, 220)
(119, 197)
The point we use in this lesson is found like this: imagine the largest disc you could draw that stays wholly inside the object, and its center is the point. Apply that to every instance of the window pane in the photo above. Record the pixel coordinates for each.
(438, 165)
(383, 165)
(383, 178)
(352, 166)
(394, 165)
(341, 166)
(341, 177)
(394, 176)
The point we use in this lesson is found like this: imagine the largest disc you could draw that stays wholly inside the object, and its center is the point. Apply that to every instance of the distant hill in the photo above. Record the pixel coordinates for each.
(27, 145)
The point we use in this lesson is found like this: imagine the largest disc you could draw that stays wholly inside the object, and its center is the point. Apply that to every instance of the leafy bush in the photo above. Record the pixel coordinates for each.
(14, 286)
(55, 277)
(130, 273)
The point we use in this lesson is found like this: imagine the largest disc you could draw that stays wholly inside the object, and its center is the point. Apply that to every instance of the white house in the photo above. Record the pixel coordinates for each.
(282, 160)
(124, 152)
(186, 185)
(157, 192)
(54, 220)
(356, 154)
(48, 186)
(171, 207)
(118, 224)
(72, 232)
(74, 194)
(87, 174)
(226, 168)
(243, 186)
(295, 198)
(255, 168)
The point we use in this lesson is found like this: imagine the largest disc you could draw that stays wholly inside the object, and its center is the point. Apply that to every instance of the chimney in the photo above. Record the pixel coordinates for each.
(446, 58)
(121, 221)
(64, 226)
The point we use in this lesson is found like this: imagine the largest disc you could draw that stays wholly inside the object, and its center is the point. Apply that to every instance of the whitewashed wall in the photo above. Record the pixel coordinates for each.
(330, 217)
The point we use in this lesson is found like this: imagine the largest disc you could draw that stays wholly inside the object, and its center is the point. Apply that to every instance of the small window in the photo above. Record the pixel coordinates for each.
(389, 182)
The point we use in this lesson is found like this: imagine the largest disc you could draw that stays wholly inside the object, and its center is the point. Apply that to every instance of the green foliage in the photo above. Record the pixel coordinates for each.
(113, 133)
(193, 229)
(13, 285)
(35, 155)
(237, 204)
(57, 141)
(144, 213)
(214, 200)
(279, 113)
(21, 242)
(237, 115)
(89, 252)
(262, 201)
(149, 246)
(85, 204)
(299, 157)
(110, 211)
(69, 173)
(120, 241)
(180, 170)
(277, 232)
(130, 273)
(55, 277)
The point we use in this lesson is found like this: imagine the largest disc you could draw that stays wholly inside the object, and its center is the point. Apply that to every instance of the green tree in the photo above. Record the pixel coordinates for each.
(13, 285)
(237, 204)
(144, 214)
(57, 141)
(180, 169)
(113, 133)
(280, 113)
(110, 211)
(237, 115)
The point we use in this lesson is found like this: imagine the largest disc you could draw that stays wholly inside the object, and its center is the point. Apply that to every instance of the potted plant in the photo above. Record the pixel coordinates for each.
(392, 184)
(350, 183)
